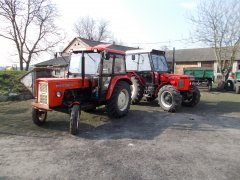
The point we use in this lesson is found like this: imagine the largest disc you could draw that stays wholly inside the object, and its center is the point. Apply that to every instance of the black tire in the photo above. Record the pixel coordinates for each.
(169, 98)
(74, 119)
(229, 85)
(117, 106)
(237, 89)
(194, 99)
(39, 117)
(137, 90)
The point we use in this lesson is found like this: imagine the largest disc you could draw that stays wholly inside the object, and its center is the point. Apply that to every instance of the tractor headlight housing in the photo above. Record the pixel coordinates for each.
(58, 94)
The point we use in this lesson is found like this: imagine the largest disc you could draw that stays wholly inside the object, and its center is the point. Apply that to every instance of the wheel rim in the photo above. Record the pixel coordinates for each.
(166, 99)
(132, 87)
(41, 115)
(123, 99)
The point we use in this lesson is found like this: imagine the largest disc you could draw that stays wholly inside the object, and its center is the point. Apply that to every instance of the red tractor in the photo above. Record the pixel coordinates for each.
(97, 76)
(151, 79)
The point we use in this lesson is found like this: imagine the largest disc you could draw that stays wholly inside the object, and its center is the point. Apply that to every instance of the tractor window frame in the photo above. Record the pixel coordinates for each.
(147, 60)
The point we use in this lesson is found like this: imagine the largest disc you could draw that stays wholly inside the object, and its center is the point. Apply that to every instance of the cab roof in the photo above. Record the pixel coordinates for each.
(100, 48)
(141, 51)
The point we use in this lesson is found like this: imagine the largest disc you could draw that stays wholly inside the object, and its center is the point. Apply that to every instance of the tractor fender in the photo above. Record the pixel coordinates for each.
(114, 81)
(133, 73)
(75, 103)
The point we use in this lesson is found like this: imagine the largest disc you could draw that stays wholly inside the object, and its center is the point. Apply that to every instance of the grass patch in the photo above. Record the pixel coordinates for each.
(9, 82)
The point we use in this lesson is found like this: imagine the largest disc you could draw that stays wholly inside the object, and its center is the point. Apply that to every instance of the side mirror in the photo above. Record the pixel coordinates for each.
(106, 55)
(133, 57)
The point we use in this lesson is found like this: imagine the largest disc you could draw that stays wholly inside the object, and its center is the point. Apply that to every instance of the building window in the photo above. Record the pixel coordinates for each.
(57, 72)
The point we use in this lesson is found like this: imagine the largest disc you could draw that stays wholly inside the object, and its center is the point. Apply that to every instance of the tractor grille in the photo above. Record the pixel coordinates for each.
(181, 83)
(43, 93)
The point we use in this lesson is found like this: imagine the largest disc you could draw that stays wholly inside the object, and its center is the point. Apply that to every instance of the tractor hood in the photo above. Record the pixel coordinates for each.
(66, 83)
(167, 76)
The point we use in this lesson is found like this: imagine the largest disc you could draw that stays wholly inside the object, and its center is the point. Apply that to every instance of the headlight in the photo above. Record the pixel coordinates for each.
(59, 94)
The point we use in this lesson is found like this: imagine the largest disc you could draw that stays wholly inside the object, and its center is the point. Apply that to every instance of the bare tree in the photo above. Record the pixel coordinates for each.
(29, 24)
(217, 23)
(89, 28)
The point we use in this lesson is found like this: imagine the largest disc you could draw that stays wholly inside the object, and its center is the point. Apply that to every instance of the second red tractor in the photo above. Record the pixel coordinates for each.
(152, 79)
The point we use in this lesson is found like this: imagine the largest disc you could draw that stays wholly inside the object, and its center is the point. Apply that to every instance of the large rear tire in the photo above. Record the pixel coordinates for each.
(39, 117)
(119, 103)
(74, 119)
(137, 90)
(194, 99)
(169, 98)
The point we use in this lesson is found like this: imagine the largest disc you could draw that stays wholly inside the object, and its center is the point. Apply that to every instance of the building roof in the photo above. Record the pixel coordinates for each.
(59, 62)
(194, 55)
(93, 43)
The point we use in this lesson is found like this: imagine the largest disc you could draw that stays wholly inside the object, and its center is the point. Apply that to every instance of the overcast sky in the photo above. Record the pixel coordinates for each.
(143, 23)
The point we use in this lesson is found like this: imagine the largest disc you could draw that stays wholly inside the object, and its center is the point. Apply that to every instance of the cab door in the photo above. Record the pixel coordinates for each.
(112, 65)
(145, 68)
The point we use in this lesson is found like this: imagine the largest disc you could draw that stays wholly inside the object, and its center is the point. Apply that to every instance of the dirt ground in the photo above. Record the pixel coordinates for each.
(196, 143)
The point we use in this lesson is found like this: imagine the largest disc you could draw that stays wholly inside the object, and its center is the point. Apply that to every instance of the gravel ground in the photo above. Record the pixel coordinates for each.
(196, 143)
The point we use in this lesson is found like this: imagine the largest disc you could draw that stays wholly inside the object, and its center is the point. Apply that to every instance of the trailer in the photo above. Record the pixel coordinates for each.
(203, 76)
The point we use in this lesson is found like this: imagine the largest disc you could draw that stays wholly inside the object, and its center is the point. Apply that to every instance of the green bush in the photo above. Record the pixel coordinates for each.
(9, 82)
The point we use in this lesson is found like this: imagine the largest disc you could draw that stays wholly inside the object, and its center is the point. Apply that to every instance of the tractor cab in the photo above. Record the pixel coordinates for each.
(97, 76)
(98, 67)
(147, 63)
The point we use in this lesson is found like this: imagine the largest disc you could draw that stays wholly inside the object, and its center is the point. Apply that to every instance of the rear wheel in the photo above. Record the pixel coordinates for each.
(119, 103)
(39, 117)
(169, 98)
(192, 100)
(74, 119)
(137, 90)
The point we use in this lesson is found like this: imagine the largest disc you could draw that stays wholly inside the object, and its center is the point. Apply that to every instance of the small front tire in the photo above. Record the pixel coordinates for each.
(194, 99)
(39, 117)
(74, 119)
(169, 98)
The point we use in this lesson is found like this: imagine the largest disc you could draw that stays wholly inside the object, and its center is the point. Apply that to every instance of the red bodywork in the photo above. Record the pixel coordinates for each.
(179, 81)
(61, 85)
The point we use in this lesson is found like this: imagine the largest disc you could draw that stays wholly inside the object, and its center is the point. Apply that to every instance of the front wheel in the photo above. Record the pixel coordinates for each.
(119, 103)
(169, 98)
(39, 117)
(193, 99)
(74, 118)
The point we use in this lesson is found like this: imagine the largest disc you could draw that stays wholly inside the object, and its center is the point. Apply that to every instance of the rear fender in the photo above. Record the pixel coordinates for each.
(139, 77)
(114, 81)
